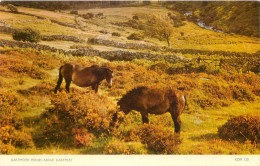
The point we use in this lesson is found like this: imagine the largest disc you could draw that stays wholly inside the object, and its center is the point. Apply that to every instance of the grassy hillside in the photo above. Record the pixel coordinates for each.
(194, 37)
(34, 120)
(237, 17)
(231, 17)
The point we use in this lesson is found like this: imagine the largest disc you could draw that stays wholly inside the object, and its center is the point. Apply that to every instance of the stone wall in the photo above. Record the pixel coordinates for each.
(120, 55)
(6, 29)
(61, 37)
(137, 46)
(110, 55)
(64, 24)
(10, 43)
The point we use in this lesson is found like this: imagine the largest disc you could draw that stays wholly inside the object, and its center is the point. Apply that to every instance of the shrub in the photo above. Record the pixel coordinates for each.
(157, 139)
(33, 71)
(191, 67)
(44, 63)
(11, 138)
(22, 140)
(27, 34)
(11, 123)
(104, 31)
(135, 36)
(88, 15)
(6, 139)
(3, 84)
(6, 148)
(116, 34)
(216, 95)
(120, 147)
(42, 88)
(134, 24)
(242, 92)
(135, 18)
(9, 106)
(70, 112)
(74, 12)
(251, 80)
(241, 128)
(12, 8)
(91, 40)
(160, 66)
(82, 138)
(99, 15)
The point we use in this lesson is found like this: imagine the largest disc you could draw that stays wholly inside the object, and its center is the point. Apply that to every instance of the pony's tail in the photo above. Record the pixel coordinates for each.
(59, 81)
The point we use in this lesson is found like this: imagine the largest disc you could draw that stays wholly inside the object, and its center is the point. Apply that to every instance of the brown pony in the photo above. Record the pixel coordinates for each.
(83, 76)
(153, 101)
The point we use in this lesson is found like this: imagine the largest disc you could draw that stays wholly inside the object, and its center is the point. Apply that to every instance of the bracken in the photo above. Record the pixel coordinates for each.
(241, 128)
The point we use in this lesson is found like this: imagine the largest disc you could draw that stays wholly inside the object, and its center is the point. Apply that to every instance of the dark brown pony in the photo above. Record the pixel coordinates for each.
(83, 76)
(153, 101)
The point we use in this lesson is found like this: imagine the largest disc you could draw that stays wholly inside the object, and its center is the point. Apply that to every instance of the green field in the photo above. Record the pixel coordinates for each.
(32, 116)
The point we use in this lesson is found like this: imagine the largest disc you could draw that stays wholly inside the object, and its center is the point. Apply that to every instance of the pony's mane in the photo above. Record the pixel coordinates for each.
(101, 69)
(132, 93)
(94, 66)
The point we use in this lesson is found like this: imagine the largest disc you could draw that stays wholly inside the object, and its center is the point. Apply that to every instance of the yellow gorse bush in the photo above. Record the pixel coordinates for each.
(11, 134)
(156, 137)
(88, 112)
(6, 140)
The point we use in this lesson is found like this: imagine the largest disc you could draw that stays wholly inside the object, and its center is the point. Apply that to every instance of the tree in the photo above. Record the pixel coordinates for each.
(27, 34)
(160, 28)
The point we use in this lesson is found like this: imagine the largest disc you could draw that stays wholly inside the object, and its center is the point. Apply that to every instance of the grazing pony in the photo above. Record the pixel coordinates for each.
(154, 101)
(83, 76)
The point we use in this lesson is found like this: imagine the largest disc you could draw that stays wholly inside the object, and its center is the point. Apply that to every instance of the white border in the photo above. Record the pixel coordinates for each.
(130, 160)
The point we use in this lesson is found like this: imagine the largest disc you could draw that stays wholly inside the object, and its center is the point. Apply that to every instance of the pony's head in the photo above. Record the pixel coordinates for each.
(124, 106)
(109, 76)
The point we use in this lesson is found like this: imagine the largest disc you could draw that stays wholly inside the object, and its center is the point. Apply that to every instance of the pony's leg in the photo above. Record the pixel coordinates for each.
(58, 85)
(68, 81)
(59, 81)
(177, 123)
(145, 117)
(96, 88)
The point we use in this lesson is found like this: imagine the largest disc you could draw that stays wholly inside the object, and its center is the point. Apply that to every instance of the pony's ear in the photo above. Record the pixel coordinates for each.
(109, 71)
